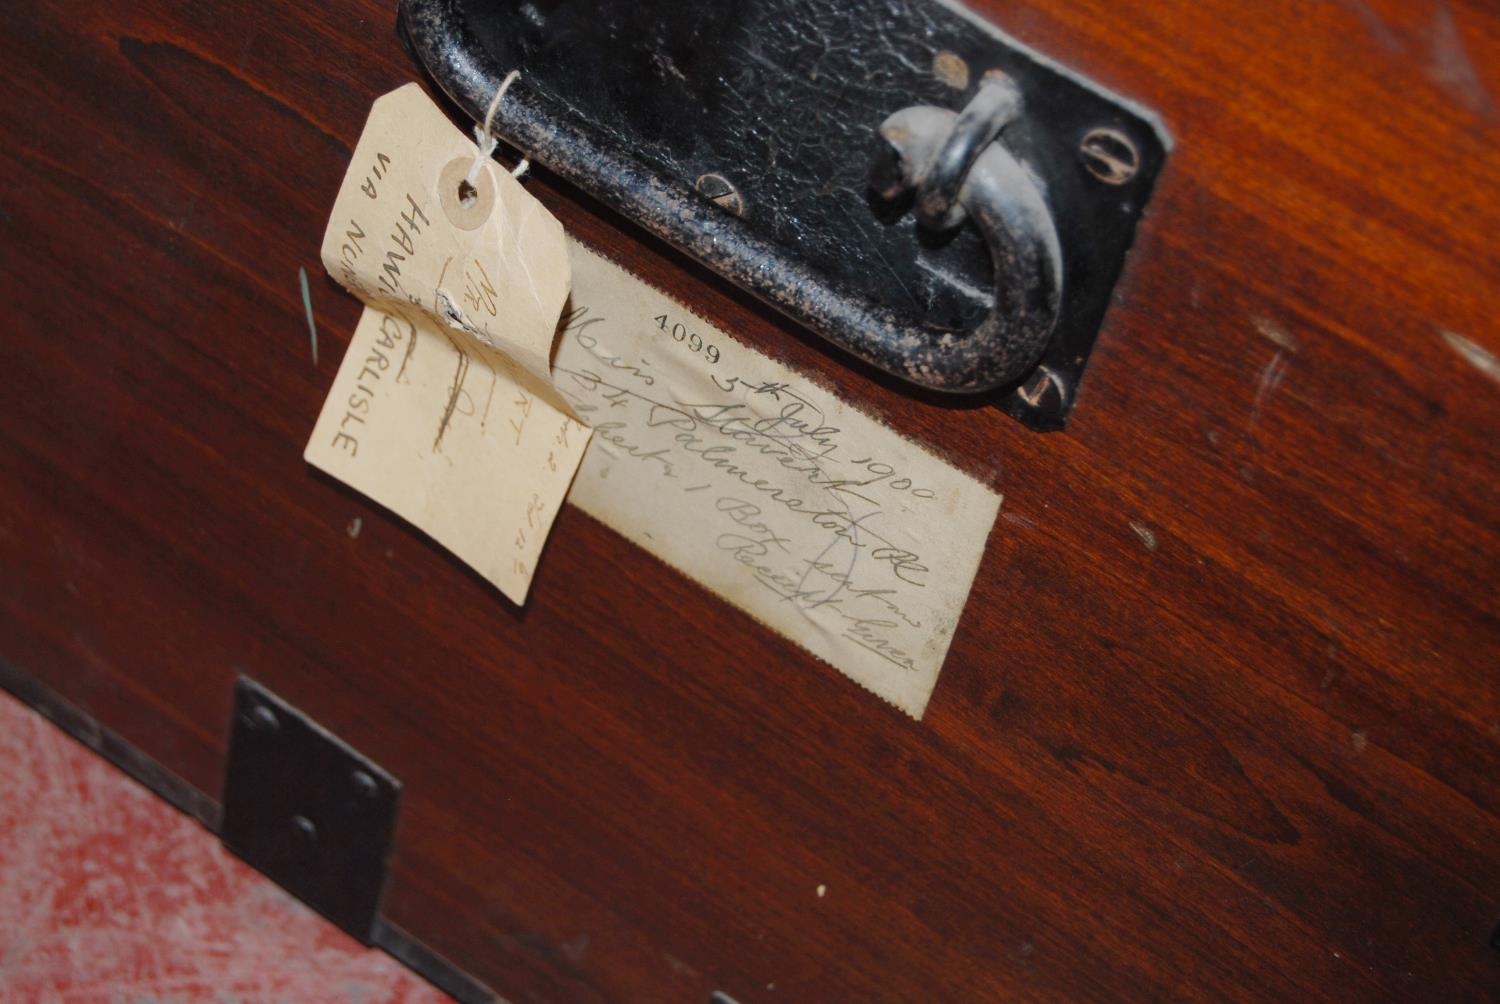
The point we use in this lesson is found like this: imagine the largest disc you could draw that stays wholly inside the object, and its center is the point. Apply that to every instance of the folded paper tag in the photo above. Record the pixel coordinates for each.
(813, 518)
(443, 409)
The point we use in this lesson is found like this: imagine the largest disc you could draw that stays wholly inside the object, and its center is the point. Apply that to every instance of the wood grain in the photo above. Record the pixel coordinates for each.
(1222, 720)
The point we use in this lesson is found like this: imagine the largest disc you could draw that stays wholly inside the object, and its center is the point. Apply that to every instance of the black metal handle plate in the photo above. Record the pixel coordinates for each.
(743, 134)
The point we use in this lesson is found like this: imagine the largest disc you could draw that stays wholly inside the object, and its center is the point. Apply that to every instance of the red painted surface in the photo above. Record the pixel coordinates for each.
(109, 894)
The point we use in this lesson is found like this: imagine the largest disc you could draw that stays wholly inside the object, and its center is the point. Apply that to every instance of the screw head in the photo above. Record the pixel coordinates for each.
(305, 829)
(365, 784)
(1041, 384)
(260, 719)
(1110, 156)
(721, 192)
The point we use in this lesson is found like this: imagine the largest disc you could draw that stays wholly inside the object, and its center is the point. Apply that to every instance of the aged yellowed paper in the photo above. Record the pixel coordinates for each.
(443, 409)
(815, 519)
(454, 438)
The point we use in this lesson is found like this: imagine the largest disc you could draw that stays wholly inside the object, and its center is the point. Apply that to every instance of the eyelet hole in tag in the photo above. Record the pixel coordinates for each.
(467, 204)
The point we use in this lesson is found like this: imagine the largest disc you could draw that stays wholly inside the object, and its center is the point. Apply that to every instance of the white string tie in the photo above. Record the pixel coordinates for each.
(485, 139)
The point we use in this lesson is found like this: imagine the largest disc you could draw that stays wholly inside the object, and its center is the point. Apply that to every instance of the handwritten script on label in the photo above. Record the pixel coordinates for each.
(443, 409)
(810, 516)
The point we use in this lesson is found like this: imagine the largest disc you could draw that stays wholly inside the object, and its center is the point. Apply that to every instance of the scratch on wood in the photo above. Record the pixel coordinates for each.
(1145, 533)
(1448, 62)
(1452, 69)
(1276, 334)
(1476, 355)
(1271, 379)
(1275, 372)
(312, 326)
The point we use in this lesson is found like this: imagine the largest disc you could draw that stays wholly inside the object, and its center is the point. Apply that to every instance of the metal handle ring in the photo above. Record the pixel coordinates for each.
(959, 171)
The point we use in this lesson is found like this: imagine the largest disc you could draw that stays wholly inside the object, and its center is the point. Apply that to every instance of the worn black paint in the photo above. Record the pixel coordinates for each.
(635, 101)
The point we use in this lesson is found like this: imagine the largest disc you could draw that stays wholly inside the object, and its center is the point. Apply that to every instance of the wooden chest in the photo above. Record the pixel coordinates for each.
(1220, 722)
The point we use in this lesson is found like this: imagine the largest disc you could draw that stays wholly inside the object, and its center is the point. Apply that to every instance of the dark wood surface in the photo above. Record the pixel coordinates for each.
(1222, 720)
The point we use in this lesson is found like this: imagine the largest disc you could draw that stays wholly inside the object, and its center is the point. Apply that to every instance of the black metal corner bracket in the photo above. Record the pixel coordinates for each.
(187, 799)
(308, 811)
(899, 176)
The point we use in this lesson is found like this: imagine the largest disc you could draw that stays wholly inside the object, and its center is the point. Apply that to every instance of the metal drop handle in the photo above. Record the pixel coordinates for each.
(960, 170)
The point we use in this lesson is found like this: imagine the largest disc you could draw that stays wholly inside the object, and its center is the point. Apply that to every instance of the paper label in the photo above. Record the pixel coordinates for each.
(813, 518)
(443, 409)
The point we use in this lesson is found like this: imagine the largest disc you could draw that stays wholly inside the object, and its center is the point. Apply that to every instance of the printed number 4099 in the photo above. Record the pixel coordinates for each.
(691, 339)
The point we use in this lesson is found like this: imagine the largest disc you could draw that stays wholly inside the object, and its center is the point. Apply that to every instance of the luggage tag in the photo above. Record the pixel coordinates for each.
(443, 409)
